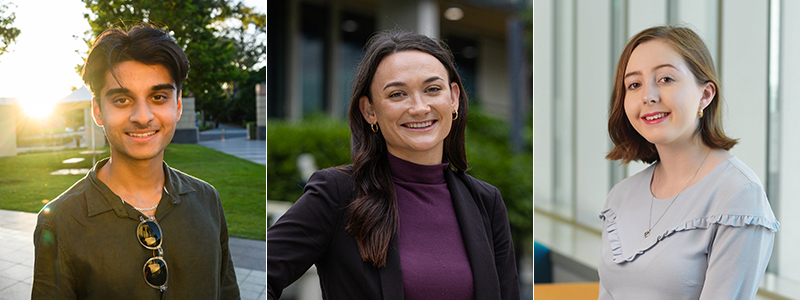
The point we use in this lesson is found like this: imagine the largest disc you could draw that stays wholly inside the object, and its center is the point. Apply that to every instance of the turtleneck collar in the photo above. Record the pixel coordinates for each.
(410, 172)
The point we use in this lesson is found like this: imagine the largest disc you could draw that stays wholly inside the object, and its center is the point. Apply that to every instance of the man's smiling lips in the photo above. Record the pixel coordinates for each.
(144, 134)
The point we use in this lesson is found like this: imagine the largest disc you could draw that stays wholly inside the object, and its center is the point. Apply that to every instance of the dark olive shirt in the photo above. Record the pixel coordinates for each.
(87, 248)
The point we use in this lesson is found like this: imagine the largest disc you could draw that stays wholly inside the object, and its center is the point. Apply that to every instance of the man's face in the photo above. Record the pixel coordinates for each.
(138, 110)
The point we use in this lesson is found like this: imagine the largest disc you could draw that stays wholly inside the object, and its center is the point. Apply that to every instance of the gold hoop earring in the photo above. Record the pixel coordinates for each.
(700, 113)
(455, 115)
(374, 127)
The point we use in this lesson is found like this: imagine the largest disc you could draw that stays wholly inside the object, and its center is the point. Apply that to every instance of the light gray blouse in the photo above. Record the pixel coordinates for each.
(713, 243)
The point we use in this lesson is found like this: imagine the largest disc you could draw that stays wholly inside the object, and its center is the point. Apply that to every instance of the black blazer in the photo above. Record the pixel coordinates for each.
(313, 232)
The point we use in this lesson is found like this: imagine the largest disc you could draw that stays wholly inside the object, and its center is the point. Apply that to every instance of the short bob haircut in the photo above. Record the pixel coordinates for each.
(373, 214)
(628, 143)
(142, 43)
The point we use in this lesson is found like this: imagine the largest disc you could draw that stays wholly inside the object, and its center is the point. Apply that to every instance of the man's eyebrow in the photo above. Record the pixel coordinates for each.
(165, 86)
(119, 90)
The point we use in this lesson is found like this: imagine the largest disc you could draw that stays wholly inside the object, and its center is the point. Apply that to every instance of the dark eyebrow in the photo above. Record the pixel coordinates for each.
(119, 90)
(397, 83)
(394, 83)
(656, 68)
(165, 86)
(432, 79)
(122, 90)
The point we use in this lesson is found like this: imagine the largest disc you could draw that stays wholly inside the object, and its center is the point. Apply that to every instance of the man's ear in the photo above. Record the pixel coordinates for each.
(180, 107)
(367, 111)
(96, 112)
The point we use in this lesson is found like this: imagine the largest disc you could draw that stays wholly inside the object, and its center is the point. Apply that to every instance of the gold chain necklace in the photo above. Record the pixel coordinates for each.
(652, 198)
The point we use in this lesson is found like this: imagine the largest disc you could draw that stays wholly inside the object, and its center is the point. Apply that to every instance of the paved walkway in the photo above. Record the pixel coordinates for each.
(235, 143)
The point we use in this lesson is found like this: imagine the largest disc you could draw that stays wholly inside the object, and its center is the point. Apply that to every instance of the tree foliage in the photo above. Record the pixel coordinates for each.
(8, 33)
(201, 27)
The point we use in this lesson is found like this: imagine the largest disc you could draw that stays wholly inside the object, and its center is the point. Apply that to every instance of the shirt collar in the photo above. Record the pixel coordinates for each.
(100, 198)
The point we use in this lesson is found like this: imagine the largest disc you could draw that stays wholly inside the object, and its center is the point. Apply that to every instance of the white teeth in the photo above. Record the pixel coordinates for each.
(657, 116)
(419, 125)
(141, 135)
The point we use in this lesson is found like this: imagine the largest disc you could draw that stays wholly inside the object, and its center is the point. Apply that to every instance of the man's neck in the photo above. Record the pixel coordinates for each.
(127, 176)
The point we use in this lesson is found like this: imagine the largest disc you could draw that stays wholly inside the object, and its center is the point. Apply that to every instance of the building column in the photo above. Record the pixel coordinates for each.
(294, 74)
(420, 16)
(8, 128)
(91, 127)
(261, 111)
(333, 61)
(186, 130)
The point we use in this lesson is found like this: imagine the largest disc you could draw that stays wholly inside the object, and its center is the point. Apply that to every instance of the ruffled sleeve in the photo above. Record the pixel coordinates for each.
(700, 223)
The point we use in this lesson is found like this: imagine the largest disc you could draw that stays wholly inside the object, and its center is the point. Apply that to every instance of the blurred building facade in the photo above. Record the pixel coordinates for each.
(314, 47)
(577, 45)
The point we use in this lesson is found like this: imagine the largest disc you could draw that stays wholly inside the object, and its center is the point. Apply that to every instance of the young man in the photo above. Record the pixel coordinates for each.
(134, 228)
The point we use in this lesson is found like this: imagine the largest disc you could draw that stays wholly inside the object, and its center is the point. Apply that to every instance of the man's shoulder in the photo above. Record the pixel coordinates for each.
(187, 183)
(70, 202)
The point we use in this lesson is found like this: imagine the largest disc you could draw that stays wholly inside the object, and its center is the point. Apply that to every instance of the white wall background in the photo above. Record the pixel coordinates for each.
(575, 55)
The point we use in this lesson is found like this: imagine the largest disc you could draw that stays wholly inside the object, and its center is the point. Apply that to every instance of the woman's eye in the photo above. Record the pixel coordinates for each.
(395, 95)
(667, 79)
(433, 89)
(633, 86)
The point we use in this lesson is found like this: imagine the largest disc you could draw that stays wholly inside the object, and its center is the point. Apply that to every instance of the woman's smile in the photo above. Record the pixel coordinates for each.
(655, 117)
(419, 126)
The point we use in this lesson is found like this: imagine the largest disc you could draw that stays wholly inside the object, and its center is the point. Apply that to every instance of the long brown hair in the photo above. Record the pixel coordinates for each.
(373, 214)
(628, 143)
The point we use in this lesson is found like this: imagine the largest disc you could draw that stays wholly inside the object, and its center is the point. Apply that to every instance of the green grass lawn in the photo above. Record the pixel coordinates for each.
(26, 183)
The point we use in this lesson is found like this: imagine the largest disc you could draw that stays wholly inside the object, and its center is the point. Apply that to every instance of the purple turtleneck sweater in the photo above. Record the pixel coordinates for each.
(433, 259)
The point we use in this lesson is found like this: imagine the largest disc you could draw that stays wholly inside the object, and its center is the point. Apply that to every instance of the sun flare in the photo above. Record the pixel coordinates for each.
(37, 108)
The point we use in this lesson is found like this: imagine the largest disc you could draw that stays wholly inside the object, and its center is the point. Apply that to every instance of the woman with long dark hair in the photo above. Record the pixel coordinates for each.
(696, 224)
(403, 221)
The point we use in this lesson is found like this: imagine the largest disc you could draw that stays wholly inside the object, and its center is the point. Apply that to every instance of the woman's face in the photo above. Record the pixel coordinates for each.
(413, 102)
(662, 97)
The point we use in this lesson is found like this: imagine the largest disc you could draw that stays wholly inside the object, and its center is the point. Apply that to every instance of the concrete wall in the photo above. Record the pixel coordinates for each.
(186, 130)
(99, 136)
(261, 111)
(8, 129)
(492, 77)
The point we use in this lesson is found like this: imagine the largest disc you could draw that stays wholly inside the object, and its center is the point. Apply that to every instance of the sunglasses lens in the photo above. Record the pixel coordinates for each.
(155, 272)
(149, 234)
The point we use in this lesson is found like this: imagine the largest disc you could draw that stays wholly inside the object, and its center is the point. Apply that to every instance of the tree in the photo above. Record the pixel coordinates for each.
(8, 34)
(198, 27)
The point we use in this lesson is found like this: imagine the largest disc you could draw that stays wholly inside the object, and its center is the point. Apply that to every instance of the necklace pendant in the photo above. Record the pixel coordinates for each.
(647, 233)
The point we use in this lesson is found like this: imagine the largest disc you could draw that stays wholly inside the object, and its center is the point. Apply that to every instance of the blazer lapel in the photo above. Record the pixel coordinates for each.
(391, 275)
(476, 240)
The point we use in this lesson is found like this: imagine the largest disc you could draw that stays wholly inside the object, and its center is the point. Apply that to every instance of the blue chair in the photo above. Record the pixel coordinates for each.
(542, 265)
